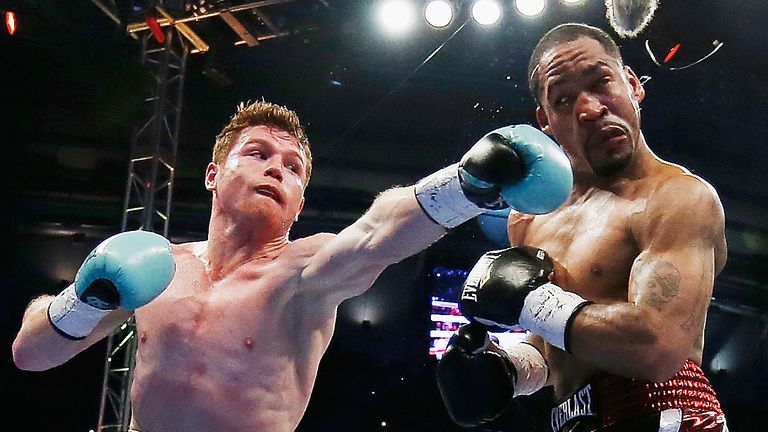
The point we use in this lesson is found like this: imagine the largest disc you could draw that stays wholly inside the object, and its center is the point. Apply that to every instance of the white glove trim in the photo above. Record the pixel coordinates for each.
(442, 199)
(532, 369)
(73, 317)
(547, 310)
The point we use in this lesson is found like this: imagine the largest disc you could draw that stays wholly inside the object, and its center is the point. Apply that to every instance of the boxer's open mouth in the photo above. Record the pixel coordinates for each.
(269, 191)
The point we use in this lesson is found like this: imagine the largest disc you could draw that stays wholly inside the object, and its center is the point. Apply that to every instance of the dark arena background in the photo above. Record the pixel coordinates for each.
(381, 109)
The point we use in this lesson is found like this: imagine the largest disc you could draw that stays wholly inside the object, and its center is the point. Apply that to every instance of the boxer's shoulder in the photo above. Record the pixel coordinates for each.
(677, 179)
(189, 248)
(683, 190)
(308, 246)
(669, 190)
(189, 255)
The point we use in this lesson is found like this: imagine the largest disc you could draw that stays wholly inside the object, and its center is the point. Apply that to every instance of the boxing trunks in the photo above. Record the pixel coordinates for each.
(684, 403)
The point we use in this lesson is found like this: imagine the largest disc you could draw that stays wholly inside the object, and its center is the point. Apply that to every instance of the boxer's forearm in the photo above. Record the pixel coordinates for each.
(628, 340)
(38, 346)
(396, 227)
(515, 166)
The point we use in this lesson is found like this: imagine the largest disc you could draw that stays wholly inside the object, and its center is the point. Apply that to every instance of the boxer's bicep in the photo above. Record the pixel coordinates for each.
(673, 276)
(337, 269)
(674, 287)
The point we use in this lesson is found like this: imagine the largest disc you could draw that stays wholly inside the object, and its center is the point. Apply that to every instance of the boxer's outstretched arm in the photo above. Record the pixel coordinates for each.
(514, 166)
(394, 228)
(682, 242)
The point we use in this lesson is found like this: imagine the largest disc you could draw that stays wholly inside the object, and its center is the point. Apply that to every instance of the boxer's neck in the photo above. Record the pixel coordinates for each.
(231, 245)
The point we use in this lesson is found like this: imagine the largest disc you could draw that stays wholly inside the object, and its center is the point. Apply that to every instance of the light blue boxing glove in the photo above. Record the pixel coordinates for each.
(128, 270)
(548, 177)
(514, 166)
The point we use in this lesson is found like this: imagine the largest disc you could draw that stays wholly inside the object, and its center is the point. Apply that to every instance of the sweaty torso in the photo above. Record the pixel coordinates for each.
(238, 354)
(592, 242)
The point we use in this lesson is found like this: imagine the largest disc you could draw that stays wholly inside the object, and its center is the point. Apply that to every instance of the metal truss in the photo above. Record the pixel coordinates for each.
(250, 21)
(147, 202)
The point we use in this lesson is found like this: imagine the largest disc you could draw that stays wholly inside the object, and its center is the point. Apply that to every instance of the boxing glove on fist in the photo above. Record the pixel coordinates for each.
(475, 377)
(514, 166)
(511, 287)
(127, 270)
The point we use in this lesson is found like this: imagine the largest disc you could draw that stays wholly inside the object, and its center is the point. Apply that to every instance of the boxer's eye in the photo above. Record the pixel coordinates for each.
(295, 165)
(562, 101)
(602, 82)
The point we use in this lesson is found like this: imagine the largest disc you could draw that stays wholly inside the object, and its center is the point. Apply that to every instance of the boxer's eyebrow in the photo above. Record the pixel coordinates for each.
(559, 79)
(294, 151)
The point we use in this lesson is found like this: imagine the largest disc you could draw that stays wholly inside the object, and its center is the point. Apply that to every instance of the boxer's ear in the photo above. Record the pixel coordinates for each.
(636, 87)
(541, 117)
(210, 176)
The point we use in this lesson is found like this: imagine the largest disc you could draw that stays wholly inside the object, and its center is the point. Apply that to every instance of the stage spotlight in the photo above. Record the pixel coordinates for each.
(486, 12)
(438, 13)
(530, 7)
(10, 22)
(396, 15)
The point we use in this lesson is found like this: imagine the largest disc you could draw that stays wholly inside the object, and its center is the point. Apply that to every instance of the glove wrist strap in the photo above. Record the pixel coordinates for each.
(548, 311)
(442, 199)
(530, 367)
(71, 317)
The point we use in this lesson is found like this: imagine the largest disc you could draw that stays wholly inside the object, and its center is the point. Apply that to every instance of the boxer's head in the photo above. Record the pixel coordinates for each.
(559, 35)
(588, 100)
(262, 113)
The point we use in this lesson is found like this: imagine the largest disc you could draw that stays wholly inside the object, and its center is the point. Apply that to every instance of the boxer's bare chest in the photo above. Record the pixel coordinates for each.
(592, 240)
(230, 346)
(195, 309)
(249, 320)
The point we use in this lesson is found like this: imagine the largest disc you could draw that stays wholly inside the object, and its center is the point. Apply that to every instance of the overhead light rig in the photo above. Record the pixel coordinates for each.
(250, 22)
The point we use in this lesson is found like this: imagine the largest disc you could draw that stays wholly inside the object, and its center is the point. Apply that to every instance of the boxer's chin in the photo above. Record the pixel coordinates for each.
(612, 165)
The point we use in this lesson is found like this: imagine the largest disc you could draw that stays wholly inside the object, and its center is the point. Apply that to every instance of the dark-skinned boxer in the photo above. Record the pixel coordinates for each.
(613, 286)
